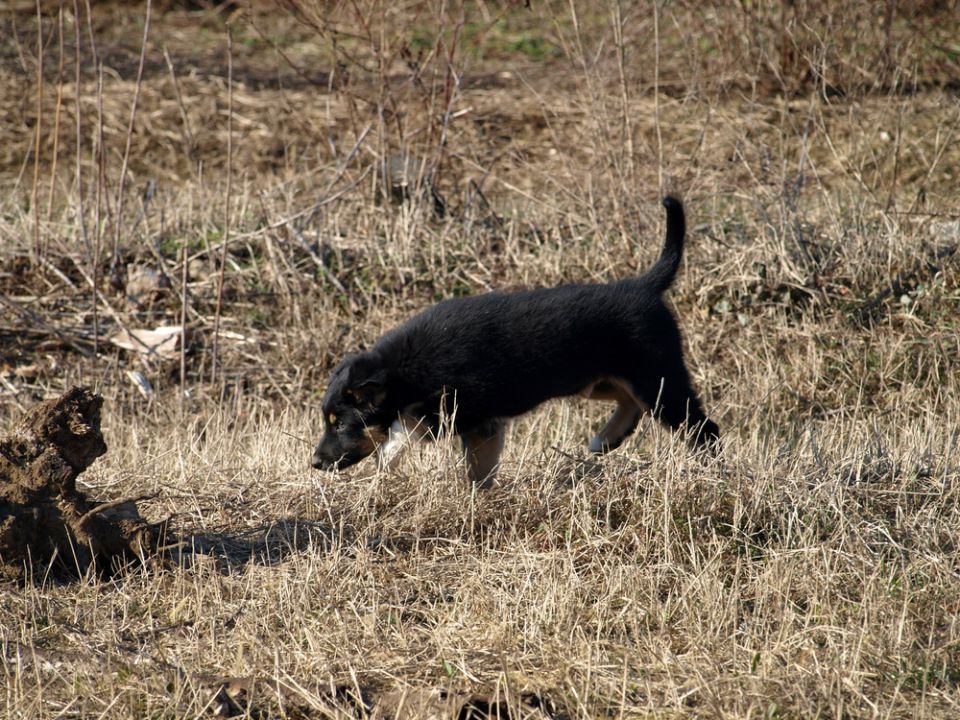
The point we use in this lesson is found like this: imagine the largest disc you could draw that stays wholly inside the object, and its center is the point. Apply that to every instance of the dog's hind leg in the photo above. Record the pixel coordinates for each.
(623, 421)
(482, 447)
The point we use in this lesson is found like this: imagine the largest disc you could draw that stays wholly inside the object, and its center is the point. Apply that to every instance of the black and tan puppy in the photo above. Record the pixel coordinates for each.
(481, 360)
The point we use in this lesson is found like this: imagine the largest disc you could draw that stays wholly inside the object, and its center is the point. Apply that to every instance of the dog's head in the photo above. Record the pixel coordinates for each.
(355, 416)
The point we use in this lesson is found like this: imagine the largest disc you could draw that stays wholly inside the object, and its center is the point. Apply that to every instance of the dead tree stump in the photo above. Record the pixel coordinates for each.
(44, 519)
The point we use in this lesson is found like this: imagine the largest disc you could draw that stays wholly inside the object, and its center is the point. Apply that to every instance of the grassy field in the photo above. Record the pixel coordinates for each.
(223, 165)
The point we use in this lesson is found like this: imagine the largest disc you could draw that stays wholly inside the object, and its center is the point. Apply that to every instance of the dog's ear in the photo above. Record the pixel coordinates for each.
(370, 391)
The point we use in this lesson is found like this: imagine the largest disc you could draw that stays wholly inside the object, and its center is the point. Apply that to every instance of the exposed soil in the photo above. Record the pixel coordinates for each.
(44, 519)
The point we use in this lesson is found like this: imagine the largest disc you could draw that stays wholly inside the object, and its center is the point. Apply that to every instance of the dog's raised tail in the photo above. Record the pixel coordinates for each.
(661, 275)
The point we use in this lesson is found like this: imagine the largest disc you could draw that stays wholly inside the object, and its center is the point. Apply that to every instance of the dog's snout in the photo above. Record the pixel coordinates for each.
(320, 461)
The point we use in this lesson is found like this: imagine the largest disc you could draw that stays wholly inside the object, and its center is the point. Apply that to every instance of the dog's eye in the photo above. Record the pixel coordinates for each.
(332, 418)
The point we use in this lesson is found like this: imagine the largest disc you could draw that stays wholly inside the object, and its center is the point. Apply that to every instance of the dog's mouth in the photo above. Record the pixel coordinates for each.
(338, 452)
(334, 464)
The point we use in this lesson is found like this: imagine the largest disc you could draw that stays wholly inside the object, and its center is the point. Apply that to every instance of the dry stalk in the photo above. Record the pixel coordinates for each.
(451, 94)
(188, 142)
(100, 161)
(81, 215)
(656, 94)
(184, 278)
(118, 219)
(114, 314)
(56, 128)
(34, 198)
(226, 211)
(625, 117)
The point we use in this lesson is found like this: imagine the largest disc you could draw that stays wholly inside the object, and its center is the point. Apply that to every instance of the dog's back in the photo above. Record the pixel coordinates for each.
(505, 353)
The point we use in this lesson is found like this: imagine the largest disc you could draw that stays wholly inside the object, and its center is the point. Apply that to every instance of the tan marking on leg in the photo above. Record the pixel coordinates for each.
(367, 442)
(375, 435)
(623, 420)
(482, 449)
(603, 389)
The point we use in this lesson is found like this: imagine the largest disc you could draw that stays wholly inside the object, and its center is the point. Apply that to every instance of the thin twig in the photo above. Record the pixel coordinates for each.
(183, 326)
(309, 212)
(81, 217)
(38, 130)
(187, 133)
(226, 212)
(625, 115)
(118, 220)
(56, 132)
(318, 261)
(895, 179)
(110, 505)
(145, 201)
(656, 93)
(56, 271)
(98, 209)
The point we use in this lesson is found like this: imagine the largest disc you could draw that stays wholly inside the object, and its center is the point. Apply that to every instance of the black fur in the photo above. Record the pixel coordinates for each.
(484, 358)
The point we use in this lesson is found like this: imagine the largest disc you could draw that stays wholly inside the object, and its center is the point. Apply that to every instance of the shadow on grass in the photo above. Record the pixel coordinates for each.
(269, 543)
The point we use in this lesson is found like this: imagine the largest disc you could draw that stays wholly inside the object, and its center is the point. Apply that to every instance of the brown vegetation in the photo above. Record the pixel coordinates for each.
(204, 257)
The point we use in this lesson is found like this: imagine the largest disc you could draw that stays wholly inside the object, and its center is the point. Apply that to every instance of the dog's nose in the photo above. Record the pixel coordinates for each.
(318, 462)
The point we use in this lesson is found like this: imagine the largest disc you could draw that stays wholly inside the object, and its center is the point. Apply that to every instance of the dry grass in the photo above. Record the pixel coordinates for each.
(811, 570)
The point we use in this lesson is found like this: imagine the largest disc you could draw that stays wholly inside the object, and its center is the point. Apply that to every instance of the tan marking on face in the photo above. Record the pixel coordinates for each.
(332, 418)
(361, 445)
(375, 435)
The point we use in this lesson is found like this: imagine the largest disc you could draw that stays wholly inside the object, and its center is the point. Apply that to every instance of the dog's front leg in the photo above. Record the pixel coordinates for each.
(482, 447)
(403, 430)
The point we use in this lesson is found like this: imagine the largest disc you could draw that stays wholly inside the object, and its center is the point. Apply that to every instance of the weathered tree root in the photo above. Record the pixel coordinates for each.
(44, 520)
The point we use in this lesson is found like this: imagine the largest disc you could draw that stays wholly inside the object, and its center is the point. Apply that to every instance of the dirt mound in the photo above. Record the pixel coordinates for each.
(44, 519)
